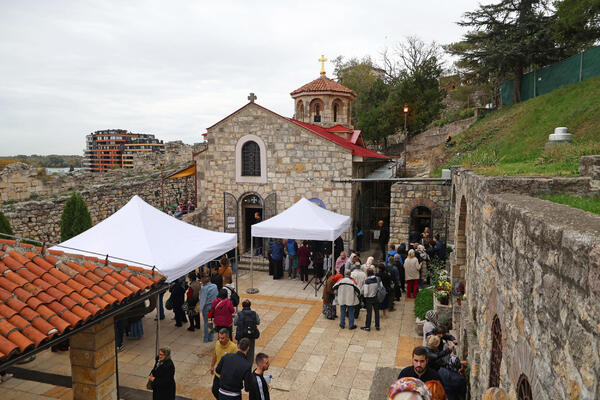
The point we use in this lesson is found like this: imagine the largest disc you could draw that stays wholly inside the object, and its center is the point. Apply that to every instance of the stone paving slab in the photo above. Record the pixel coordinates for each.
(311, 357)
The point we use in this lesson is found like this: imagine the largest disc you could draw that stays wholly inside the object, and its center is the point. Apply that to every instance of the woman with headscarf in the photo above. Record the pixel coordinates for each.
(408, 389)
(454, 383)
(162, 376)
(411, 274)
(424, 260)
(431, 322)
(368, 264)
(329, 296)
(341, 260)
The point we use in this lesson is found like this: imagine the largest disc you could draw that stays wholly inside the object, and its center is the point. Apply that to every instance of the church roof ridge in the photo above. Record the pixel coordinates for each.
(323, 84)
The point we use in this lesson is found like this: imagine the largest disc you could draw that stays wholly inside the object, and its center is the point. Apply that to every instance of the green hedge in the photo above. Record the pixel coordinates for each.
(423, 303)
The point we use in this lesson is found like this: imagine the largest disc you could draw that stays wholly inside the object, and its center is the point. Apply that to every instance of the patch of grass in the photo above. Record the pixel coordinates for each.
(591, 204)
(423, 303)
(511, 140)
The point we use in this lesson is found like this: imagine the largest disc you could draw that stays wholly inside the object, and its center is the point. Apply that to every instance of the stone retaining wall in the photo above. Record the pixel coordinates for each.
(536, 266)
(40, 220)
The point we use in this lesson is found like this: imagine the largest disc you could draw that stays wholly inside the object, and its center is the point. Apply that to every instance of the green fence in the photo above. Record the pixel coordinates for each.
(577, 68)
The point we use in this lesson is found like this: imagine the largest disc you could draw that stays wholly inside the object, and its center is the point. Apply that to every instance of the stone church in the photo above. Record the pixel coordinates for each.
(258, 161)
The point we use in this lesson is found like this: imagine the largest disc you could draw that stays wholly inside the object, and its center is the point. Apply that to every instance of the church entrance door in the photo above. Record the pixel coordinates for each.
(420, 218)
(252, 213)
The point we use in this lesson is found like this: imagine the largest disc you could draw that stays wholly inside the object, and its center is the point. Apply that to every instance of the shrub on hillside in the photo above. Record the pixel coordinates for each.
(5, 225)
(75, 218)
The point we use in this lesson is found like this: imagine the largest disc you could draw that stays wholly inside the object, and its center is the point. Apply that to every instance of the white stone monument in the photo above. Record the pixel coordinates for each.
(561, 136)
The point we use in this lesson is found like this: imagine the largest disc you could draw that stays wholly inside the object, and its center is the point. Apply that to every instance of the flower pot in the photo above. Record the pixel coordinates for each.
(419, 326)
(441, 307)
(459, 302)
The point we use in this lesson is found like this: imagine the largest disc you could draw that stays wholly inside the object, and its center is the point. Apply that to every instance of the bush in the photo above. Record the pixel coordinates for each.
(75, 218)
(5, 225)
(423, 303)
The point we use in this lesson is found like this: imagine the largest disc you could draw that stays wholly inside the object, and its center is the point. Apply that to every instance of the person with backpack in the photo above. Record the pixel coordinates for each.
(222, 311)
(232, 294)
(370, 294)
(246, 322)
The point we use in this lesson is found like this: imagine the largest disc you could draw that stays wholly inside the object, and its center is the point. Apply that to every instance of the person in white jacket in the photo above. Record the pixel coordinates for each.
(359, 277)
(347, 296)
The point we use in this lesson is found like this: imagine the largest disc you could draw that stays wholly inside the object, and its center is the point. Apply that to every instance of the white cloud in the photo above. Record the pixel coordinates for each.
(174, 68)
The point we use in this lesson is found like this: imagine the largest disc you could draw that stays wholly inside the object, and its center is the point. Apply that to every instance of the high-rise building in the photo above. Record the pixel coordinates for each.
(114, 148)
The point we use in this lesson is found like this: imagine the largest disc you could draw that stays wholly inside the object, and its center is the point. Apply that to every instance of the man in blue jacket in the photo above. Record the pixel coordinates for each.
(277, 257)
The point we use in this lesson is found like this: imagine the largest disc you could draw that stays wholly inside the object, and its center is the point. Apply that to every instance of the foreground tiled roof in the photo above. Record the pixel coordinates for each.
(330, 135)
(43, 296)
(323, 84)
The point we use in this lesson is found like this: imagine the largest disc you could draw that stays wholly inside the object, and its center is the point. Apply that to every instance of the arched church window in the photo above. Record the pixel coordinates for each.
(335, 112)
(300, 111)
(250, 159)
(317, 113)
(524, 388)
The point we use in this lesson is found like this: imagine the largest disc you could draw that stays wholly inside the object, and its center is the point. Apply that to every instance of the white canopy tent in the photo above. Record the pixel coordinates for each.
(142, 234)
(304, 221)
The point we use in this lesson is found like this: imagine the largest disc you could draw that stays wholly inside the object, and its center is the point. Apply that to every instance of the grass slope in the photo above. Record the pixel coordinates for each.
(591, 204)
(511, 140)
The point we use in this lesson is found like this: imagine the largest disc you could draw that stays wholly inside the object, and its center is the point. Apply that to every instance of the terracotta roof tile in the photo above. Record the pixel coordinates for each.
(42, 296)
(323, 84)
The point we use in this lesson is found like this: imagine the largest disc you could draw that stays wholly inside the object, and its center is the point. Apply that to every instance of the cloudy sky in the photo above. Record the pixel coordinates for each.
(173, 68)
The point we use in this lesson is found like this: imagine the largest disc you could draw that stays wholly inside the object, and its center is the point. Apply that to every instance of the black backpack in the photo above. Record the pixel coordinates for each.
(233, 297)
(248, 325)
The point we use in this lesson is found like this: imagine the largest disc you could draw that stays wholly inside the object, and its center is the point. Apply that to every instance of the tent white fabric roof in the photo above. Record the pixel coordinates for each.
(143, 234)
(305, 221)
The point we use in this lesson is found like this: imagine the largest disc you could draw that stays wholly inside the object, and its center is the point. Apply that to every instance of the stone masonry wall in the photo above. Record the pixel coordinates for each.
(40, 220)
(535, 265)
(299, 164)
(405, 197)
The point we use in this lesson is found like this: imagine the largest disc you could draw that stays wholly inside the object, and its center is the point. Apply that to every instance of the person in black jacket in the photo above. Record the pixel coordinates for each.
(436, 355)
(162, 377)
(177, 300)
(235, 371)
(246, 322)
(259, 390)
(384, 237)
(420, 367)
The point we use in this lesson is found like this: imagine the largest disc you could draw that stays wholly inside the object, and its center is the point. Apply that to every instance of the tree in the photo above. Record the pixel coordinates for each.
(5, 225)
(75, 218)
(506, 38)
(577, 23)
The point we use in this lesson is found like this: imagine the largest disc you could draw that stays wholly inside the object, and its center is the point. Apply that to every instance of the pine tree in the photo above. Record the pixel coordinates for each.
(5, 225)
(75, 218)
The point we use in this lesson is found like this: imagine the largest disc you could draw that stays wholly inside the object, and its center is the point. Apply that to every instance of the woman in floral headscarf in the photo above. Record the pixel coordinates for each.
(408, 389)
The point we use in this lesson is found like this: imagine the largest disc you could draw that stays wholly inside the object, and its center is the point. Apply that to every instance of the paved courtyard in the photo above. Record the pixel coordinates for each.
(311, 357)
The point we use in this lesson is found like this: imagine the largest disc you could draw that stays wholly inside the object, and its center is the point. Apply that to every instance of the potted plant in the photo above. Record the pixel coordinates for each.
(459, 299)
(423, 303)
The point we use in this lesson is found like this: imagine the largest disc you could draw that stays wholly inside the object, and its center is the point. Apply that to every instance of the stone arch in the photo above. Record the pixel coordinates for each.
(337, 110)
(461, 235)
(524, 388)
(317, 106)
(496, 356)
(300, 110)
(262, 178)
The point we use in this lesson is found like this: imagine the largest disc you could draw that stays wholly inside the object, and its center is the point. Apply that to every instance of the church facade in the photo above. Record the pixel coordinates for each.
(258, 163)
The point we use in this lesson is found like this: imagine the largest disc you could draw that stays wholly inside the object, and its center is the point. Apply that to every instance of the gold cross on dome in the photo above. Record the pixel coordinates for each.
(322, 61)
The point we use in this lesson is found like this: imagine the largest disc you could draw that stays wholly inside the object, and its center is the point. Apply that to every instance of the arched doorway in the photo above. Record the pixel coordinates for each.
(524, 388)
(420, 218)
(252, 212)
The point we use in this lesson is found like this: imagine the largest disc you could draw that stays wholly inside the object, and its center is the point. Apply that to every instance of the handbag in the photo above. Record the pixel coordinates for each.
(149, 384)
(169, 304)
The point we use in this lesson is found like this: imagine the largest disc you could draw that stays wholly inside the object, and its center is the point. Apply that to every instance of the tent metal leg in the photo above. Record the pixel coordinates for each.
(237, 268)
(332, 259)
(157, 346)
(252, 289)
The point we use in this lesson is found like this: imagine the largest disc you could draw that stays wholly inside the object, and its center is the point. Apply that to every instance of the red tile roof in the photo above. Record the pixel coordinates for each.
(45, 296)
(331, 136)
(323, 84)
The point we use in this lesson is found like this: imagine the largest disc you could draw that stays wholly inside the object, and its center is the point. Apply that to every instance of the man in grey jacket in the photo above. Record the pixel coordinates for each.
(370, 294)
(347, 295)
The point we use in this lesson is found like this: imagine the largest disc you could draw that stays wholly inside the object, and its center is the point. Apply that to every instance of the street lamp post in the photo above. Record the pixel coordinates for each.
(405, 110)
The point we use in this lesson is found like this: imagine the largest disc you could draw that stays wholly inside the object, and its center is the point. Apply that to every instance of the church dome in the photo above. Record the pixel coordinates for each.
(323, 84)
